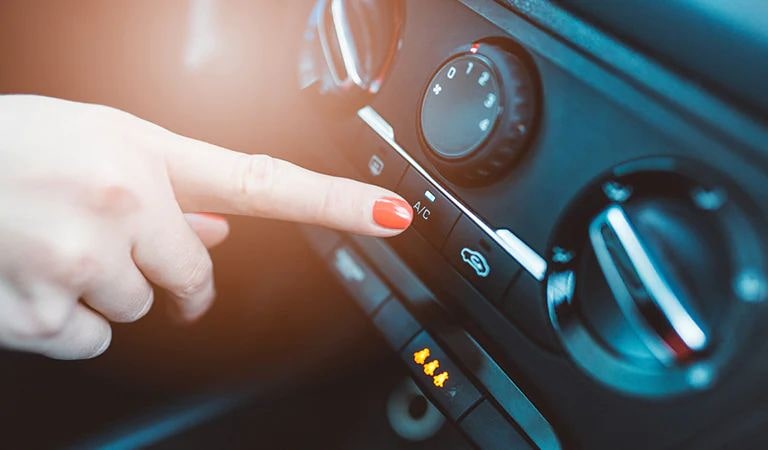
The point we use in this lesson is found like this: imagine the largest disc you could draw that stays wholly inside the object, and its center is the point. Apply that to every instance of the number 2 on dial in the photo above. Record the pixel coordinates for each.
(484, 77)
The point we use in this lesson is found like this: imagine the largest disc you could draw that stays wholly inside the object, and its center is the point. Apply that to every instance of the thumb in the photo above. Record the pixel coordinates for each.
(212, 229)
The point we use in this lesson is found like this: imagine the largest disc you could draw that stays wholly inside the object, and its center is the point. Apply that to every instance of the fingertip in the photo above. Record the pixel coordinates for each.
(184, 311)
(212, 229)
(87, 336)
(392, 214)
(107, 341)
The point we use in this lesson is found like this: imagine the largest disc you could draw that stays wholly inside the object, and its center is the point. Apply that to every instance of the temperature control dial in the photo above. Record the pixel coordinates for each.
(349, 47)
(658, 277)
(478, 112)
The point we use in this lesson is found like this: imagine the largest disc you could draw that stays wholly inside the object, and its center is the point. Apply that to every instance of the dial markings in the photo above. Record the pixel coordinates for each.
(462, 107)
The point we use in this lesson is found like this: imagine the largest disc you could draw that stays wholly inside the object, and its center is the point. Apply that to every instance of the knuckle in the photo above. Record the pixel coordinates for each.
(71, 260)
(106, 115)
(114, 197)
(330, 197)
(42, 328)
(113, 128)
(37, 326)
(35, 323)
(198, 277)
(256, 180)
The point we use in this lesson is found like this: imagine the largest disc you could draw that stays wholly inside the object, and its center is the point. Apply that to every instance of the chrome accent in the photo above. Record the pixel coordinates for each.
(519, 250)
(624, 256)
(380, 126)
(346, 47)
(525, 255)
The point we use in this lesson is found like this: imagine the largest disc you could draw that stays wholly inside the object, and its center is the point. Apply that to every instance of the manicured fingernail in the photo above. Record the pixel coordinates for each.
(392, 212)
(211, 216)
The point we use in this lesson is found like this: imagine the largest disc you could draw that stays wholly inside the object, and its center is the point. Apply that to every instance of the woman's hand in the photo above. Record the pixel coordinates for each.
(92, 203)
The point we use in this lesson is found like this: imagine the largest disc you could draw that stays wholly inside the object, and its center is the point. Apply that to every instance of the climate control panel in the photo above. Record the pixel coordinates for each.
(596, 234)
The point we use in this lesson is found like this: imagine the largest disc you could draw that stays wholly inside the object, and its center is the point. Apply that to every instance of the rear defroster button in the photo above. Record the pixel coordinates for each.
(377, 161)
(433, 213)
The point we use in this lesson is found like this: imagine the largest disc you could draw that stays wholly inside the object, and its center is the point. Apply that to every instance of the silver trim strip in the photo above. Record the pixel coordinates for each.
(346, 42)
(519, 250)
(659, 292)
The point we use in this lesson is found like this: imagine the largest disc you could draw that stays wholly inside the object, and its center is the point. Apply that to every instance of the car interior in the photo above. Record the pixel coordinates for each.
(587, 266)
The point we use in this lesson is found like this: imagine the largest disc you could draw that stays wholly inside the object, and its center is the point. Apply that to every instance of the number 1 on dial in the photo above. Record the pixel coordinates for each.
(470, 66)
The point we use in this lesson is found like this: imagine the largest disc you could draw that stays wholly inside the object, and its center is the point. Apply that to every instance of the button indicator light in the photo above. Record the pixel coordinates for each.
(431, 367)
(439, 380)
(421, 356)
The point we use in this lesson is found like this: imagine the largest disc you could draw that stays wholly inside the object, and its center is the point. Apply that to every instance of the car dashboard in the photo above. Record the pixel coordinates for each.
(587, 266)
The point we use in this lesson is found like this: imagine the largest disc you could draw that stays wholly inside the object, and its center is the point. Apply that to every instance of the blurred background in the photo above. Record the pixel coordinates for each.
(281, 331)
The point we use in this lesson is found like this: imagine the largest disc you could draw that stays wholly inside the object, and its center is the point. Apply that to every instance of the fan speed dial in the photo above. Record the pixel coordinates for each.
(478, 113)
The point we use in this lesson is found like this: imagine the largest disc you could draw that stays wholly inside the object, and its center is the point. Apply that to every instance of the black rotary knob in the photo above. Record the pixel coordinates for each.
(478, 112)
(658, 279)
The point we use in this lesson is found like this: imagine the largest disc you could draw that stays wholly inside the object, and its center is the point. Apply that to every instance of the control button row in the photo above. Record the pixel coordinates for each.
(477, 257)
(433, 214)
(443, 378)
(475, 254)
(470, 250)
(490, 430)
(433, 370)
(437, 374)
(445, 383)
(359, 279)
(480, 260)
(449, 387)
(514, 246)
(376, 161)
(394, 322)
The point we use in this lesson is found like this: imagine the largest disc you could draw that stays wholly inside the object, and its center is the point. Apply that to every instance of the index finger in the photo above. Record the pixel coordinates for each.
(209, 178)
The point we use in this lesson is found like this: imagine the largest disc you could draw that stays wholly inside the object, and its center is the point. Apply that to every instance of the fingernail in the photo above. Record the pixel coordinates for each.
(392, 212)
(211, 216)
(104, 345)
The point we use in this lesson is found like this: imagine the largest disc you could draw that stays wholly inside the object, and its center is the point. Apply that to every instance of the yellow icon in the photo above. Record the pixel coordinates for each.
(431, 367)
(421, 356)
(439, 380)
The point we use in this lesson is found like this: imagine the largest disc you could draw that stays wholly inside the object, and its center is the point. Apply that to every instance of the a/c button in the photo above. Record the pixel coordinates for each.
(433, 213)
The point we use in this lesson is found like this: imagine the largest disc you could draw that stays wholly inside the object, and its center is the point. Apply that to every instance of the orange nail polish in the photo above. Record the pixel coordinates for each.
(391, 212)
(212, 216)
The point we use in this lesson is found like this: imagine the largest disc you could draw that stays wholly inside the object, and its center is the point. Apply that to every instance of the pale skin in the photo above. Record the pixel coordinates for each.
(98, 204)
